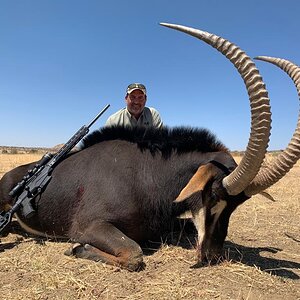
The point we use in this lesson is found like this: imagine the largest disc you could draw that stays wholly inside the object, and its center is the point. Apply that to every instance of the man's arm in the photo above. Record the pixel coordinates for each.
(157, 121)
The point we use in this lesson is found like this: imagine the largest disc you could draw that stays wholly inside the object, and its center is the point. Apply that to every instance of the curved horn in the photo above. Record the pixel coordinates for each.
(275, 170)
(249, 166)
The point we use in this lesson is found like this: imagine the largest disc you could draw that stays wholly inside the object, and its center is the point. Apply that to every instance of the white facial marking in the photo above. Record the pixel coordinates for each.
(186, 215)
(216, 211)
(199, 218)
(199, 222)
(218, 208)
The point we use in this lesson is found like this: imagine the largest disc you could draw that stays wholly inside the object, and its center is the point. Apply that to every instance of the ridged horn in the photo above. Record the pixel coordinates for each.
(249, 166)
(271, 172)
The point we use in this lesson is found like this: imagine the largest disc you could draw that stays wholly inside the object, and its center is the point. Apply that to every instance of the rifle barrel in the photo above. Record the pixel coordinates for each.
(98, 116)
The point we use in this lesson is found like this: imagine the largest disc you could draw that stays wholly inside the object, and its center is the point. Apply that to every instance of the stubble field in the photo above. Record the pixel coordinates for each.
(262, 250)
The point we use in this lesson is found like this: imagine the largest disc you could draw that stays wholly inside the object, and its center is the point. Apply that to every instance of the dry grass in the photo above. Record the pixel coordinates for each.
(10, 161)
(263, 259)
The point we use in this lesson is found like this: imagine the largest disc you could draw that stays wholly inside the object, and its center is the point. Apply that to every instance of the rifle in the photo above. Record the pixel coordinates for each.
(36, 180)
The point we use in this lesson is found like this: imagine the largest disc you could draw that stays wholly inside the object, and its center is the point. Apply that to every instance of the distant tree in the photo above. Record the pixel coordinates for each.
(33, 151)
(14, 151)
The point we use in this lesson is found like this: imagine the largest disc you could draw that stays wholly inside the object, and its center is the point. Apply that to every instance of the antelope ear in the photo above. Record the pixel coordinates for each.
(198, 181)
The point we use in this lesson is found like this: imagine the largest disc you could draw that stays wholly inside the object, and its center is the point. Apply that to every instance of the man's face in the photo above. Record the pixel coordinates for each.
(136, 101)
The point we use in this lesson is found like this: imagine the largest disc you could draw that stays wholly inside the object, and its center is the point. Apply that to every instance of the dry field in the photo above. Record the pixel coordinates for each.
(262, 247)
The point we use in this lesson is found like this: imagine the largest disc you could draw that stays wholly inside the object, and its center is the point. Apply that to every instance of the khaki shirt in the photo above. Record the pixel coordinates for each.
(149, 118)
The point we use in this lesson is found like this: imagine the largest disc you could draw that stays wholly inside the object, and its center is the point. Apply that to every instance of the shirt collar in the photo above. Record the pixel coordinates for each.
(132, 117)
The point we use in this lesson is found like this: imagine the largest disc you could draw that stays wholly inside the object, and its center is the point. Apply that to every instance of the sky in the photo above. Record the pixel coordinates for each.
(62, 61)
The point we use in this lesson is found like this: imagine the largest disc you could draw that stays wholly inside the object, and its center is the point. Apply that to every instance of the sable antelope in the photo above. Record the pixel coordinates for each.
(128, 185)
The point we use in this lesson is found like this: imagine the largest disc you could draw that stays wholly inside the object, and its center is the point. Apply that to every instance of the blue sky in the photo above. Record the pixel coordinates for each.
(62, 61)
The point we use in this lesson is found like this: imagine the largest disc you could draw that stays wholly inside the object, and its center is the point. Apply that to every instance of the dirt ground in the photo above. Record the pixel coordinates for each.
(262, 250)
